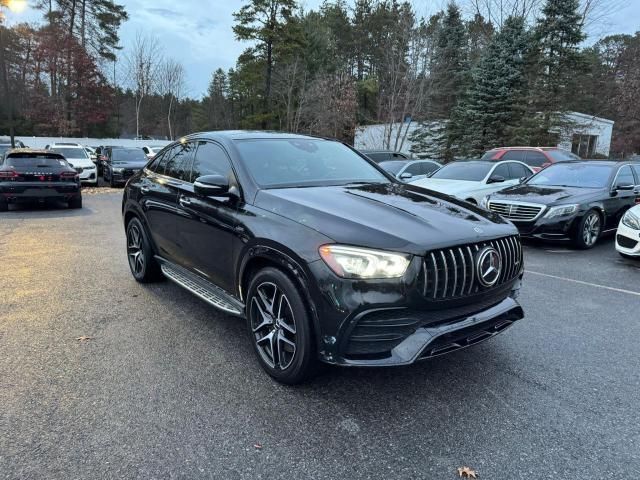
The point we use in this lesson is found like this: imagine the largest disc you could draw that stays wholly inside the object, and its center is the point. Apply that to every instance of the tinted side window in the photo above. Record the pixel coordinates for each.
(159, 164)
(157, 160)
(502, 171)
(518, 171)
(625, 177)
(514, 155)
(178, 166)
(210, 159)
(428, 167)
(414, 169)
(535, 159)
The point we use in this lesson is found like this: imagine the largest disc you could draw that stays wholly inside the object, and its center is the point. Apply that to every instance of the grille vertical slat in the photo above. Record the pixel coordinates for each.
(451, 272)
(446, 274)
(435, 271)
(455, 273)
(464, 271)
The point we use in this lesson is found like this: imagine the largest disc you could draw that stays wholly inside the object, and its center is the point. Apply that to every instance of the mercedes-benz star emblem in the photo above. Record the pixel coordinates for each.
(488, 266)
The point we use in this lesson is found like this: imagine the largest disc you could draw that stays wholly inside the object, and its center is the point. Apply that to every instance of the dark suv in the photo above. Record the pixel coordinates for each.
(326, 256)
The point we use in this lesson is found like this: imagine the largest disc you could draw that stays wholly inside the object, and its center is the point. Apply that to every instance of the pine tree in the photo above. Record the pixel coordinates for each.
(449, 80)
(265, 22)
(558, 38)
(494, 108)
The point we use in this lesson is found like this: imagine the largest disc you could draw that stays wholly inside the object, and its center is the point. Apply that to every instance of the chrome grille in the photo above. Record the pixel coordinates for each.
(451, 272)
(523, 212)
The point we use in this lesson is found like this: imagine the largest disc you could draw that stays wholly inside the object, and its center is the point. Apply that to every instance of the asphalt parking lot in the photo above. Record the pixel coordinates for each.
(168, 388)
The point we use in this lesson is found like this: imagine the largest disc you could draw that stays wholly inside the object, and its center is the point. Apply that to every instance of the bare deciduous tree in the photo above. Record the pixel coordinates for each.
(171, 85)
(142, 63)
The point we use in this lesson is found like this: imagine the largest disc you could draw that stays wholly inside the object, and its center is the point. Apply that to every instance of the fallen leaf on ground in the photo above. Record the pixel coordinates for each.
(258, 446)
(467, 472)
(84, 338)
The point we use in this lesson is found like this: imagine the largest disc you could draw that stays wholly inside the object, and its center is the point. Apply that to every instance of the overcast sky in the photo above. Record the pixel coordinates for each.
(201, 37)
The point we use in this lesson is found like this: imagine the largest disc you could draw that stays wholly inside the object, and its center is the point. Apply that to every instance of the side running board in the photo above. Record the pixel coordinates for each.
(207, 291)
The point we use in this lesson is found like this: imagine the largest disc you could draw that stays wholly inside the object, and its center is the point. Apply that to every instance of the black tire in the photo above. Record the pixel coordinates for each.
(4, 206)
(583, 239)
(291, 326)
(143, 265)
(111, 182)
(75, 202)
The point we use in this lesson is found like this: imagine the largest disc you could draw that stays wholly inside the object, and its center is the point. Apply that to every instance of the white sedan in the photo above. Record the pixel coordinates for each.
(628, 234)
(475, 179)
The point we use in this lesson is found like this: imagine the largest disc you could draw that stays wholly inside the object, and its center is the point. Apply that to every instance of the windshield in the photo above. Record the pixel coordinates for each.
(129, 155)
(70, 152)
(277, 163)
(489, 155)
(562, 155)
(392, 167)
(573, 175)
(472, 172)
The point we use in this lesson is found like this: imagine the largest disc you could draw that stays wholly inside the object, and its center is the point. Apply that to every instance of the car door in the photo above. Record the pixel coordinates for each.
(621, 200)
(206, 228)
(159, 190)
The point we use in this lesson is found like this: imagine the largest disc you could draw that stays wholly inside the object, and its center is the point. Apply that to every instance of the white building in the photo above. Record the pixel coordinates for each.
(588, 136)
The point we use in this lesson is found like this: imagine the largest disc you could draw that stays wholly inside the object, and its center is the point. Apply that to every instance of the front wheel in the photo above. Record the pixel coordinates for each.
(280, 327)
(589, 230)
(143, 265)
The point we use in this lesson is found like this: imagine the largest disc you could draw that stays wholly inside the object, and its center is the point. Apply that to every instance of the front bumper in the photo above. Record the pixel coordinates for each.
(89, 175)
(628, 240)
(560, 228)
(389, 323)
(124, 176)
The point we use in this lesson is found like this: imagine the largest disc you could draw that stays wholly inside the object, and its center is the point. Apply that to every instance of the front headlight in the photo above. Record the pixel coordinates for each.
(354, 262)
(561, 211)
(631, 220)
(484, 202)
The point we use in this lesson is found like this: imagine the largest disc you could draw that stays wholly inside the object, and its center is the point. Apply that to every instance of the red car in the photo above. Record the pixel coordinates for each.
(536, 157)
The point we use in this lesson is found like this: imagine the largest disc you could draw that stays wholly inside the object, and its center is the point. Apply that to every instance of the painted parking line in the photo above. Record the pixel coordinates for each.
(595, 285)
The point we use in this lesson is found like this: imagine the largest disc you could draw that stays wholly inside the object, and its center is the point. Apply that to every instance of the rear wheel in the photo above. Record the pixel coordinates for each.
(4, 206)
(589, 230)
(280, 327)
(75, 202)
(143, 265)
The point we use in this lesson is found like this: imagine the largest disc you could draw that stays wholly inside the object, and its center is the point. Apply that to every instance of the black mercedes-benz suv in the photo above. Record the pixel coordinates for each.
(326, 256)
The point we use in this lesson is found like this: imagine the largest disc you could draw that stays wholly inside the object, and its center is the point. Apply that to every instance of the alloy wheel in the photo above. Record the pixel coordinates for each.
(135, 250)
(591, 229)
(273, 326)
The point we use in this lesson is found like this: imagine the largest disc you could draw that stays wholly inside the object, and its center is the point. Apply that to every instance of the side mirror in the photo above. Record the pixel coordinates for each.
(496, 179)
(211, 186)
(406, 176)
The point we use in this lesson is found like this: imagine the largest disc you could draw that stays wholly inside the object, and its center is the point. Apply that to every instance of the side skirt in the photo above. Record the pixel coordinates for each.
(202, 288)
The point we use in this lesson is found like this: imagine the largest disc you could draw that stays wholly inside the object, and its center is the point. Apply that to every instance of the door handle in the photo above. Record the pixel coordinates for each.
(184, 201)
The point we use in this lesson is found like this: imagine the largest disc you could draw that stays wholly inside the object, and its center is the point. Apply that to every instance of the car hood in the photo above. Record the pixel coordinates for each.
(547, 195)
(450, 187)
(130, 165)
(80, 162)
(397, 217)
